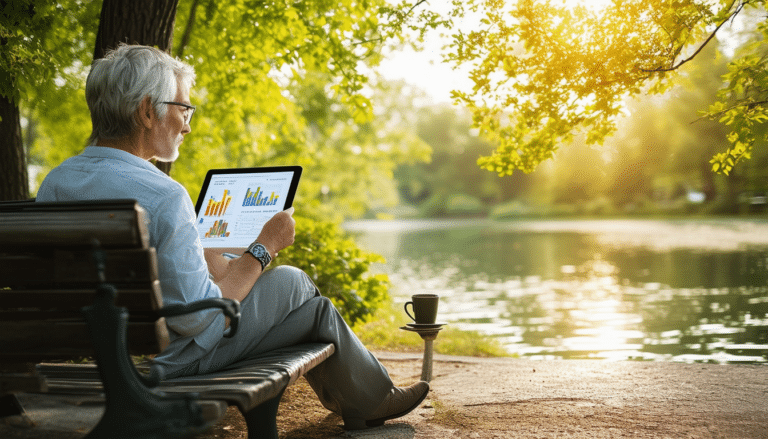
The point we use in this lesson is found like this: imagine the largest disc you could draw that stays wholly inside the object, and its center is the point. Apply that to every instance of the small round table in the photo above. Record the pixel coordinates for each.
(428, 333)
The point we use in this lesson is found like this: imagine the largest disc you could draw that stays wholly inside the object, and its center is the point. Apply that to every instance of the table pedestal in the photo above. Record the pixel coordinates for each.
(428, 335)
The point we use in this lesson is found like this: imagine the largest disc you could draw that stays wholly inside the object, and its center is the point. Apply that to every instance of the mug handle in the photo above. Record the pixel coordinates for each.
(406, 310)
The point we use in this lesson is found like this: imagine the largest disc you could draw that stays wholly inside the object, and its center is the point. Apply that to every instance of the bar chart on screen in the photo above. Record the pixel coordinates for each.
(259, 198)
(218, 230)
(218, 208)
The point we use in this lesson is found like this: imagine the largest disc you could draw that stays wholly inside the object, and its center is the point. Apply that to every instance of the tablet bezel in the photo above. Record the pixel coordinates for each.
(296, 170)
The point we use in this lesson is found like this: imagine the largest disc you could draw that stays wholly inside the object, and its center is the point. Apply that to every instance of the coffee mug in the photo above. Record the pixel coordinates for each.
(424, 307)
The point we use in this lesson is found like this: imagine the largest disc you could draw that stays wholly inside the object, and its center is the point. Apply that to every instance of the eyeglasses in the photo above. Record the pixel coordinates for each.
(189, 110)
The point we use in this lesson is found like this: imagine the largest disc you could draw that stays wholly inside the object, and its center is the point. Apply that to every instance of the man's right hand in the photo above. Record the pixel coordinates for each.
(279, 232)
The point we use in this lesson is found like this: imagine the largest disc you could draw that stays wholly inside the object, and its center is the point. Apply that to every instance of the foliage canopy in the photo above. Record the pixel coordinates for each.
(543, 70)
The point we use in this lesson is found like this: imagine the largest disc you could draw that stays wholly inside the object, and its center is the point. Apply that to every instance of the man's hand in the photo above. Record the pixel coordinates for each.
(237, 276)
(279, 232)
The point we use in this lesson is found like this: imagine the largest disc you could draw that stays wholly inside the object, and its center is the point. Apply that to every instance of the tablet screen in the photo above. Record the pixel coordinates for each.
(234, 204)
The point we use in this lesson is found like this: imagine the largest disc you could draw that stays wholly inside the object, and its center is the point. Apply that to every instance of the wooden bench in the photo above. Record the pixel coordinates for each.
(79, 279)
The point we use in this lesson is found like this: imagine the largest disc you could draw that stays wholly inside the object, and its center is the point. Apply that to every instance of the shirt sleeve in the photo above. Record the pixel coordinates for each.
(183, 272)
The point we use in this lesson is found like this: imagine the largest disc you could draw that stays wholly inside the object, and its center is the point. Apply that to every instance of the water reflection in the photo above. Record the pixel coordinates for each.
(591, 292)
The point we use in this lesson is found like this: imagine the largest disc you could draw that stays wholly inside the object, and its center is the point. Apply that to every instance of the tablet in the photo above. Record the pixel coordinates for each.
(234, 204)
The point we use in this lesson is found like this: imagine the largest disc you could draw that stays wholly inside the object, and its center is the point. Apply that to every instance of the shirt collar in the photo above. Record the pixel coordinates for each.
(118, 154)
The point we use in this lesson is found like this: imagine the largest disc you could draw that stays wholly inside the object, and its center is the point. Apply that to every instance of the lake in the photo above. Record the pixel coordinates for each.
(669, 290)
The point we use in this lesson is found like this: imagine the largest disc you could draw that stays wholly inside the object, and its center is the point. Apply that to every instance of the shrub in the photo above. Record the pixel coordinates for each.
(511, 210)
(462, 204)
(338, 267)
(441, 205)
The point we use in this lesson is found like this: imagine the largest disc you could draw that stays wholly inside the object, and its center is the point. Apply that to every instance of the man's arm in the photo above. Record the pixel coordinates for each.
(219, 264)
(236, 277)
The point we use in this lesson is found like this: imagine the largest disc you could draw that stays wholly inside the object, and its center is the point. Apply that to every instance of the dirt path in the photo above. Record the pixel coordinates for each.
(512, 398)
(509, 398)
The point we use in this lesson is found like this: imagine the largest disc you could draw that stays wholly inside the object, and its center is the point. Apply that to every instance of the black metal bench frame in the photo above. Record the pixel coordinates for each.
(139, 405)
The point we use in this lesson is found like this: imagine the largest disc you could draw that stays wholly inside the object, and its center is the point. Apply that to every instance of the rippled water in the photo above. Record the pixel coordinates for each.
(688, 290)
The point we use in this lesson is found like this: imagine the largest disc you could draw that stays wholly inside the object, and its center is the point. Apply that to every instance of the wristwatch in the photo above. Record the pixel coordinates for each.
(260, 253)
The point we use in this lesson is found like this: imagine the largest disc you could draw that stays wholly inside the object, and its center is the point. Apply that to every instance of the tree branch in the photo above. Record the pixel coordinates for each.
(187, 29)
(415, 5)
(704, 44)
(720, 113)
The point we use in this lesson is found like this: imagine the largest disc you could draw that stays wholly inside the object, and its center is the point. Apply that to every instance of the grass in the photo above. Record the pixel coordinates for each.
(383, 333)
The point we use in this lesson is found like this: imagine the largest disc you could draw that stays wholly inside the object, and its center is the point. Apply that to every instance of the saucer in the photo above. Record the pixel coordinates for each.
(426, 325)
(431, 331)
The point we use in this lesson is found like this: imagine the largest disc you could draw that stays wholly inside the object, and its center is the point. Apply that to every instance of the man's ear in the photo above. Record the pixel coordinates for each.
(146, 114)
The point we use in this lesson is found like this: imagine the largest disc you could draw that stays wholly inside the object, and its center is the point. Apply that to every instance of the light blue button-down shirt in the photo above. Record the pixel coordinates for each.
(108, 173)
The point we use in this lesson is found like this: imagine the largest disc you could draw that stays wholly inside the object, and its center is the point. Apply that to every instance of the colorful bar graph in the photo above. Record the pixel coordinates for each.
(218, 208)
(258, 199)
(218, 230)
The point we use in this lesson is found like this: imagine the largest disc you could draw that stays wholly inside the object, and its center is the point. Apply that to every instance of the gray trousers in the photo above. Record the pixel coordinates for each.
(285, 308)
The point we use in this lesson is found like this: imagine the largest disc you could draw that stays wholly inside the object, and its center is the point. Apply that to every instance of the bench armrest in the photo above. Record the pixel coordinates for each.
(230, 307)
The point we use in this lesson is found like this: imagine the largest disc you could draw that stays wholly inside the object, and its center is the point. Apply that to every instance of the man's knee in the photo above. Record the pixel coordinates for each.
(285, 271)
(326, 302)
(287, 277)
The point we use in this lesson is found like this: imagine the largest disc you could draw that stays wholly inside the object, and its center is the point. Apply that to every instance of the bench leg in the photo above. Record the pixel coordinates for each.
(262, 420)
(13, 413)
(10, 406)
(133, 409)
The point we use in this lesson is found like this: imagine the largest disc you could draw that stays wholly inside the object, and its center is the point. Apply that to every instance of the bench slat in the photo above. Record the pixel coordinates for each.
(59, 268)
(63, 315)
(246, 383)
(115, 223)
(251, 382)
(22, 341)
(71, 299)
(22, 382)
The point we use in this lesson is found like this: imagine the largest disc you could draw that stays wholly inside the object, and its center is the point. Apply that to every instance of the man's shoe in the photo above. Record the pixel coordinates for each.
(399, 402)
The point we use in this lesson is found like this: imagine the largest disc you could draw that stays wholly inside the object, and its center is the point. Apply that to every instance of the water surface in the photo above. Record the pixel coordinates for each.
(685, 290)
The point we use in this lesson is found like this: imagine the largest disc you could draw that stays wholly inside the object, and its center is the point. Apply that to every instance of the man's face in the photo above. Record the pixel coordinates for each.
(172, 128)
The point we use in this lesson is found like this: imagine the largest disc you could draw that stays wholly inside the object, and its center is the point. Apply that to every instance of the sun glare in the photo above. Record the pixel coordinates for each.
(591, 4)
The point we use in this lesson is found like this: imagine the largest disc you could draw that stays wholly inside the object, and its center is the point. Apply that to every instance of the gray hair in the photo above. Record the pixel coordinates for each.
(118, 83)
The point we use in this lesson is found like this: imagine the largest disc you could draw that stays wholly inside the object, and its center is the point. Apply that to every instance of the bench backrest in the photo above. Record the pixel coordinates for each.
(48, 273)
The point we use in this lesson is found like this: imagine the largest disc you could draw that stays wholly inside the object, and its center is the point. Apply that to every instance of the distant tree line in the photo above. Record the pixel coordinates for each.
(656, 162)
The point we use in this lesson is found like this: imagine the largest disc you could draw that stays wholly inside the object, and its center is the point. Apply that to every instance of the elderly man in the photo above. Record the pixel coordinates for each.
(138, 97)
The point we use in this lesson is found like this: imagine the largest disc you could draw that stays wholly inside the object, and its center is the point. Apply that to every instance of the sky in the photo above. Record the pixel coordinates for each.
(426, 71)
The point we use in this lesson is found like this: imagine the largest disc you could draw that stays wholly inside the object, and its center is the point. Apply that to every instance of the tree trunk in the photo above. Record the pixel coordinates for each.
(147, 22)
(13, 165)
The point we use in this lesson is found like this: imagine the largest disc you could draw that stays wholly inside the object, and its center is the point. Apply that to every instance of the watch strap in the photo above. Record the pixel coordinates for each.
(258, 251)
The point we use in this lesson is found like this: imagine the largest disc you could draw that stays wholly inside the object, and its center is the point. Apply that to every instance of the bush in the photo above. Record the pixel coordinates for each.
(338, 267)
(462, 204)
(511, 210)
(441, 205)
(401, 211)
(434, 207)
(600, 206)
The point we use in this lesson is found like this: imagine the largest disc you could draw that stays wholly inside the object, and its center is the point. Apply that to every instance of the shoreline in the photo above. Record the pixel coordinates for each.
(658, 233)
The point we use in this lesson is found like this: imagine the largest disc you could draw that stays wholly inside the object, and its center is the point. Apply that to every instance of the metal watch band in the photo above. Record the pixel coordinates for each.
(260, 253)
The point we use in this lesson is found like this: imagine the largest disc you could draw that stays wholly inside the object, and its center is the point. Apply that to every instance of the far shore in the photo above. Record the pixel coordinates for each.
(714, 233)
